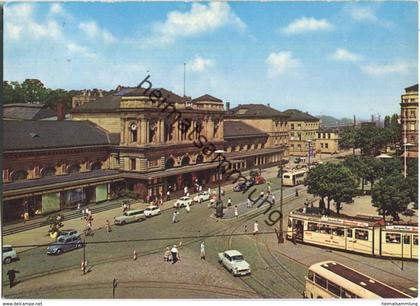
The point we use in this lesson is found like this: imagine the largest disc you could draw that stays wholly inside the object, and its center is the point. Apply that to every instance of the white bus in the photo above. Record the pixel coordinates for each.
(329, 279)
(294, 177)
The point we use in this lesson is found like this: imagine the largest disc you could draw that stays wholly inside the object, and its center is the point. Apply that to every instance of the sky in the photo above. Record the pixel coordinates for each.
(330, 58)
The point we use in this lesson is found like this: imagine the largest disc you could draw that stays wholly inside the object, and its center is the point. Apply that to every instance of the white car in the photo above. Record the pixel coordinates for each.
(9, 254)
(183, 202)
(234, 262)
(130, 216)
(152, 210)
(202, 196)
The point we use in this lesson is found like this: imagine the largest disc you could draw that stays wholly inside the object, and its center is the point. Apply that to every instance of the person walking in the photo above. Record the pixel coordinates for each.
(167, 255)
(108, 226)
(229, 202)
(12, 276)
(296, 193)
(202, 251)
(78, 206)
(248, 203)
(256, 227)
(268, 187)
(25, 217)
(174, 217)
(273, 199)
(174, 252)
(236, 211)
(168, 195)
(185, 190)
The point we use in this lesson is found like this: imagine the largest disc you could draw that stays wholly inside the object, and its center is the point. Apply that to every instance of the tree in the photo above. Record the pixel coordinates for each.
(413, 180)
(355, 165)
(387, 122)
(372, 168)
(34, 91)
(347, 139)
(391, 196)
(370, 140)
(331, 181)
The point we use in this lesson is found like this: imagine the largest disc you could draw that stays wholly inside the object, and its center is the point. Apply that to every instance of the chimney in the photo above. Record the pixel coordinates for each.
(227, 106)
(59, 108)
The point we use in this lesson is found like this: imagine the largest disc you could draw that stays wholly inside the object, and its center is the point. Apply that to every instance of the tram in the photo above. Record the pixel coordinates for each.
(354, 235)
(329, 279)
(294, 177)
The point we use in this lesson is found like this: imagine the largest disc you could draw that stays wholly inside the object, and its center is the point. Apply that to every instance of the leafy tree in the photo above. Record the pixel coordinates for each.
(387, 122)
(372, 168)
(355, 165)
(347, 139)
(391, 196)
(34, 91)
(331, 181)
(370, 139)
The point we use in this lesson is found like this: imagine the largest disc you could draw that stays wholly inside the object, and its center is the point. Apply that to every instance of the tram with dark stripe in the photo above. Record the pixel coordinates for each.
(354, 235)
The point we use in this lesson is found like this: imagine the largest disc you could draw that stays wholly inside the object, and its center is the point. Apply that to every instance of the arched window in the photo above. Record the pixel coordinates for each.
(20, 175)
(47, 172)
(73, 169)
(185, 161)
(133, 132)
(199, 159)
(169, 163)
(96, 166)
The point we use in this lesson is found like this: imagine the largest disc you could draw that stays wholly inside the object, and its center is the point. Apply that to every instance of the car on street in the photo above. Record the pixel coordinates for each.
(129, 216)
(202, 196)
(183, 202)
(152, 210)
(258, 180)
(244, 186)
(64, 244)
(9, 254)
(234, 262)
(68, 233)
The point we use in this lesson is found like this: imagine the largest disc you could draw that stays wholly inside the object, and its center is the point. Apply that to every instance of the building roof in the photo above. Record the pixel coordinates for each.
(206, 98)
(297, 115)
(254, 111)
(33, 135)
(112, 102)
(27, 111)
(413, 88)
(232, 129)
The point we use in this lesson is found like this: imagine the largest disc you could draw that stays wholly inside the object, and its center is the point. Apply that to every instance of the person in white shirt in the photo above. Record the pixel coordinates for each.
(256, 227)
(175, 255)
(236, 211)
(202, 251)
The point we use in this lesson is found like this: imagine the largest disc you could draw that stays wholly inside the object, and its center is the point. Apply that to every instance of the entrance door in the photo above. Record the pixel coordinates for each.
(299, 229)
(406, 247)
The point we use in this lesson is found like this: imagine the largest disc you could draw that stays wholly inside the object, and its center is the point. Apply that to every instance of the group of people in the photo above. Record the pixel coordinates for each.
(171, 255)
(88, 217)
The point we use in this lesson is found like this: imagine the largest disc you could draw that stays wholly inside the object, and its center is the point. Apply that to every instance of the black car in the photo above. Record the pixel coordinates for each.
(243, 186)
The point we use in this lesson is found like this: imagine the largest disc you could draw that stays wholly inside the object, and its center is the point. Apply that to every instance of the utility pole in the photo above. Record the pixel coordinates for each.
(280, 235)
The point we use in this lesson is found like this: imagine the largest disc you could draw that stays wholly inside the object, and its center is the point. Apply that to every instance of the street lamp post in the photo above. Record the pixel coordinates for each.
(219, 204)
(280, 236)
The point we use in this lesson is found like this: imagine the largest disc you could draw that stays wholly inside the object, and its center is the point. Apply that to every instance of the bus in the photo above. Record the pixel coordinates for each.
(330, 279)
(353, 234)
(294, 177)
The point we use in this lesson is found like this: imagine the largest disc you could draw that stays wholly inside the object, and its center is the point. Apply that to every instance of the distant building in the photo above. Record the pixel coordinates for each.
(409, 119)
(86, 96)
(303, 129)
(328, 138)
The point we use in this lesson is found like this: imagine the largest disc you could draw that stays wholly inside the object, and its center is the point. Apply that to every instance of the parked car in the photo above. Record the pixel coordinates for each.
(64, 244)
(68, 233)
(258, 180)
(182, 202)
(234, 261)
(9, 254)
(202, 196)
(243, 186)
(152, 210)
(129, 216)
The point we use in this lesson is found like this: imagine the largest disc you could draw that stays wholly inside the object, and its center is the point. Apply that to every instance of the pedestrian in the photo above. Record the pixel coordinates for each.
(174, 217)
(174, 252)
(202, 251)
(25, 217)
(209, 190)
(261, 194)
(78, 206)
(188, 194)
(200, 188)
(223, 192)
(236, 211)
(134, 255)
(108, 226)
(12, 276)
(185, 190)
(124, 207)
(166, 255)
(296, 193)
(269, 187)
(168, 195)
(229, 202)
(248, 203)
(83, 213)
(256, 227)
(273, 199)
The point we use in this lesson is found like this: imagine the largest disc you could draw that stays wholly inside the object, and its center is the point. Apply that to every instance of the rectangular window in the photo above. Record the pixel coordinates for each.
(132, 164)
(413, 114)
(412, 127)
(312, 227)
(337, 231)
(349, 233)
(320, 281)
(361, 234)
(292, 126)
(407, 239)
(326, 146)
(322, 145)
(329, 135)
(333, 288)
(393, 238)
(415, 240)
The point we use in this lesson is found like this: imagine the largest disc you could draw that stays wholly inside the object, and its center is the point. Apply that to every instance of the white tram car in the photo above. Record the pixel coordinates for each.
(294, 177)
(329, 279)
(354, 235)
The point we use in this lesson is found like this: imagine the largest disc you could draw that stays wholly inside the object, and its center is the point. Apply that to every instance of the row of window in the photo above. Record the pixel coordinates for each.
(337, 231)
(324, 135)
(324, 145)
(396, 239)
(330, 286)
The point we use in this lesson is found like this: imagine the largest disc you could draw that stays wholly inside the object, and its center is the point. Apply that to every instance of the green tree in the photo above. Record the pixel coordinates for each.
(347, 139)
(355, 165)
(370, 140)
(34, 91)
(372, 168)
(387, 122)
(333, 182)
(391, 196)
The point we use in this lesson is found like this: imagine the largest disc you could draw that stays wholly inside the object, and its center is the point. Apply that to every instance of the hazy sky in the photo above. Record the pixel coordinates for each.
(322, 57)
